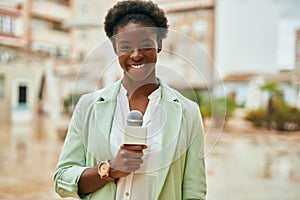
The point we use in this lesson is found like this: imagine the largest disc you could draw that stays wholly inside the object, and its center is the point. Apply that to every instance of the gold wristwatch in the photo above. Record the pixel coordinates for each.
(104, 170)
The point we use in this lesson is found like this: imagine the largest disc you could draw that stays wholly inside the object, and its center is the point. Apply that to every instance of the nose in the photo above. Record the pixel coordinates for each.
(136, 54)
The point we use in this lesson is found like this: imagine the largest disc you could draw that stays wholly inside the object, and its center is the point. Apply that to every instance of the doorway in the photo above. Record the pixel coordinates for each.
(22, 95)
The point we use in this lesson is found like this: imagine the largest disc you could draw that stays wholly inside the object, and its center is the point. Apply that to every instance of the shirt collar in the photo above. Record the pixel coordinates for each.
(123, 90)
(156, 94)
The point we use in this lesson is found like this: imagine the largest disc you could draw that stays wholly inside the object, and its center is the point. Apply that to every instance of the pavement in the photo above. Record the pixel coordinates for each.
(245, 163)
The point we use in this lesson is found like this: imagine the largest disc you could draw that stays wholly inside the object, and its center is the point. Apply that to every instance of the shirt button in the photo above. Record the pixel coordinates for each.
(127, 194)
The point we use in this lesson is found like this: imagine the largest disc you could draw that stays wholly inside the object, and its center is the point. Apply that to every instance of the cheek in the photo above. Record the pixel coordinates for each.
(122, 57)
(122, 61)
(151, 54)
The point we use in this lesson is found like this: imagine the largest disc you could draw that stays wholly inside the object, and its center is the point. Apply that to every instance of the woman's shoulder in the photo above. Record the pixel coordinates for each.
(175, 95)
(99, 95)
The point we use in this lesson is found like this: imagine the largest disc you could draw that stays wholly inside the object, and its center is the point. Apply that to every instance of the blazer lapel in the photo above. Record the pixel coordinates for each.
(104, 113)
(172, 116)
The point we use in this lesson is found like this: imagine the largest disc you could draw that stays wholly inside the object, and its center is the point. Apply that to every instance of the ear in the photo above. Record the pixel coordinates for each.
(159, 45)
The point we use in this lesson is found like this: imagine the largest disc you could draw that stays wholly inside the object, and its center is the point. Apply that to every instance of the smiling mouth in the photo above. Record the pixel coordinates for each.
(137, 66)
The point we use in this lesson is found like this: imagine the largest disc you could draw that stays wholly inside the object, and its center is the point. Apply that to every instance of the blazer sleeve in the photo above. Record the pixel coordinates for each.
(71, 163)
(194, 178)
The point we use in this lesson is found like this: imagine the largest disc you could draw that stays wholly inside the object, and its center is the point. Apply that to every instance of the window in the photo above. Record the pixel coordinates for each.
(8, 25)
(50, 50)
(84, 6)
(5, 56)
(1, 86)
(39, 24)
(57, 26)
(62, 52)
(200, 28)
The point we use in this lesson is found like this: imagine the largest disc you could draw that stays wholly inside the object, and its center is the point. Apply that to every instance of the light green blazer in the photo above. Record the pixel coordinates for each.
(182, 174)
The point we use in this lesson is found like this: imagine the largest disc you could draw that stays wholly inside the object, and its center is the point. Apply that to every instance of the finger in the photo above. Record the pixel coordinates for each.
(130, 154)
(134, 147)
(133, 168)
(126, 152)
(130, 161)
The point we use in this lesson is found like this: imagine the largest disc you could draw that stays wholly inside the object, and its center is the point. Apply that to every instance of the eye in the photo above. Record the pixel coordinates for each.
(124, 48)
(148, 45)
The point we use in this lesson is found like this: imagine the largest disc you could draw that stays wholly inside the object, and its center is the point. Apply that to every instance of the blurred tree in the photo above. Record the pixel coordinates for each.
(272, 88)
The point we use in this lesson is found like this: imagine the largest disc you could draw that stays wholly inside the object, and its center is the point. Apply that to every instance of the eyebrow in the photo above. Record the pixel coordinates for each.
(127, 41)
(123, 41)
(148, 39)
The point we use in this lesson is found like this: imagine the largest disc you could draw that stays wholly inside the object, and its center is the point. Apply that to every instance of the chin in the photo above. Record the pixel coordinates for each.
(138, 78)
(140, 74)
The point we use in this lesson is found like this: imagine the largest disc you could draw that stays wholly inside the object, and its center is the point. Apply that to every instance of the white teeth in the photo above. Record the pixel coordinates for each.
(137, 66)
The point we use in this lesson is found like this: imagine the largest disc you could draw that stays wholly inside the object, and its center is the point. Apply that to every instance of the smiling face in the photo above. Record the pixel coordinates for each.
(137, 47)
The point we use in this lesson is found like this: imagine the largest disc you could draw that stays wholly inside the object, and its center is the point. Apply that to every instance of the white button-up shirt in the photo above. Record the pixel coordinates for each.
(142, 183)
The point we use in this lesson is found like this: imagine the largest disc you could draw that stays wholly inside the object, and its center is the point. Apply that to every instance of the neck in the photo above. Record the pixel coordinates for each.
(140, 88)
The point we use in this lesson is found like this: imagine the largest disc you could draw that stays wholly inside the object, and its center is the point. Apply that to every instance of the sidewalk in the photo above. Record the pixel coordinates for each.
(28, 153)
(242, 166)
(260, 166)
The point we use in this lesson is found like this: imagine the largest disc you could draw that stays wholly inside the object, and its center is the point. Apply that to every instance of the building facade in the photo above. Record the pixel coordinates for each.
(32, 40)
(51, 49)
(190, 43)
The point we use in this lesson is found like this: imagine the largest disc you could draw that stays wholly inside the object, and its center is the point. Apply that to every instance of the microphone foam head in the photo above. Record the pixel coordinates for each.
(135, 118)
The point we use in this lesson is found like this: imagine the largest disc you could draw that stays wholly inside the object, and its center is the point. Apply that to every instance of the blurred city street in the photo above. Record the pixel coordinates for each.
(245, 164)
(255, 165)
(29, 153)
(236, 59)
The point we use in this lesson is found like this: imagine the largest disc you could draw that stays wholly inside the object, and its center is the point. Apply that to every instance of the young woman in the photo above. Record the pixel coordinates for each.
(95, 163)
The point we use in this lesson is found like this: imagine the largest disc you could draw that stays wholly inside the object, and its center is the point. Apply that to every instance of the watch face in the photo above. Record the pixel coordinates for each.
(103, 169)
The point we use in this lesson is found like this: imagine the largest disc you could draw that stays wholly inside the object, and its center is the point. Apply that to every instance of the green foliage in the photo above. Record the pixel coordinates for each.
(192, 94)
(223, 106)
(67, 102)
(217, 108)
(283, 116)
(70, 102)
(296, 116)
(271, 87)
(256, 117)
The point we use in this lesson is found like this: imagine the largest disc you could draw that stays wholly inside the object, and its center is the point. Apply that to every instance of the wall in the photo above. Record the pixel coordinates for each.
(13, 74)
(246, 35)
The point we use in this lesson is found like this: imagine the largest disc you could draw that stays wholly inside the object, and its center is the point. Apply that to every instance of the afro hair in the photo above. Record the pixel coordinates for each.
(136, 11)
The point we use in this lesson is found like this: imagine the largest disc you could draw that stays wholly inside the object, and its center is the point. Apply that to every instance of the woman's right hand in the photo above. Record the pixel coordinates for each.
(128, 160)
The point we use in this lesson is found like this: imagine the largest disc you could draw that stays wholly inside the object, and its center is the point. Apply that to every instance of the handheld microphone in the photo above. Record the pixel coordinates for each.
(135, 134)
